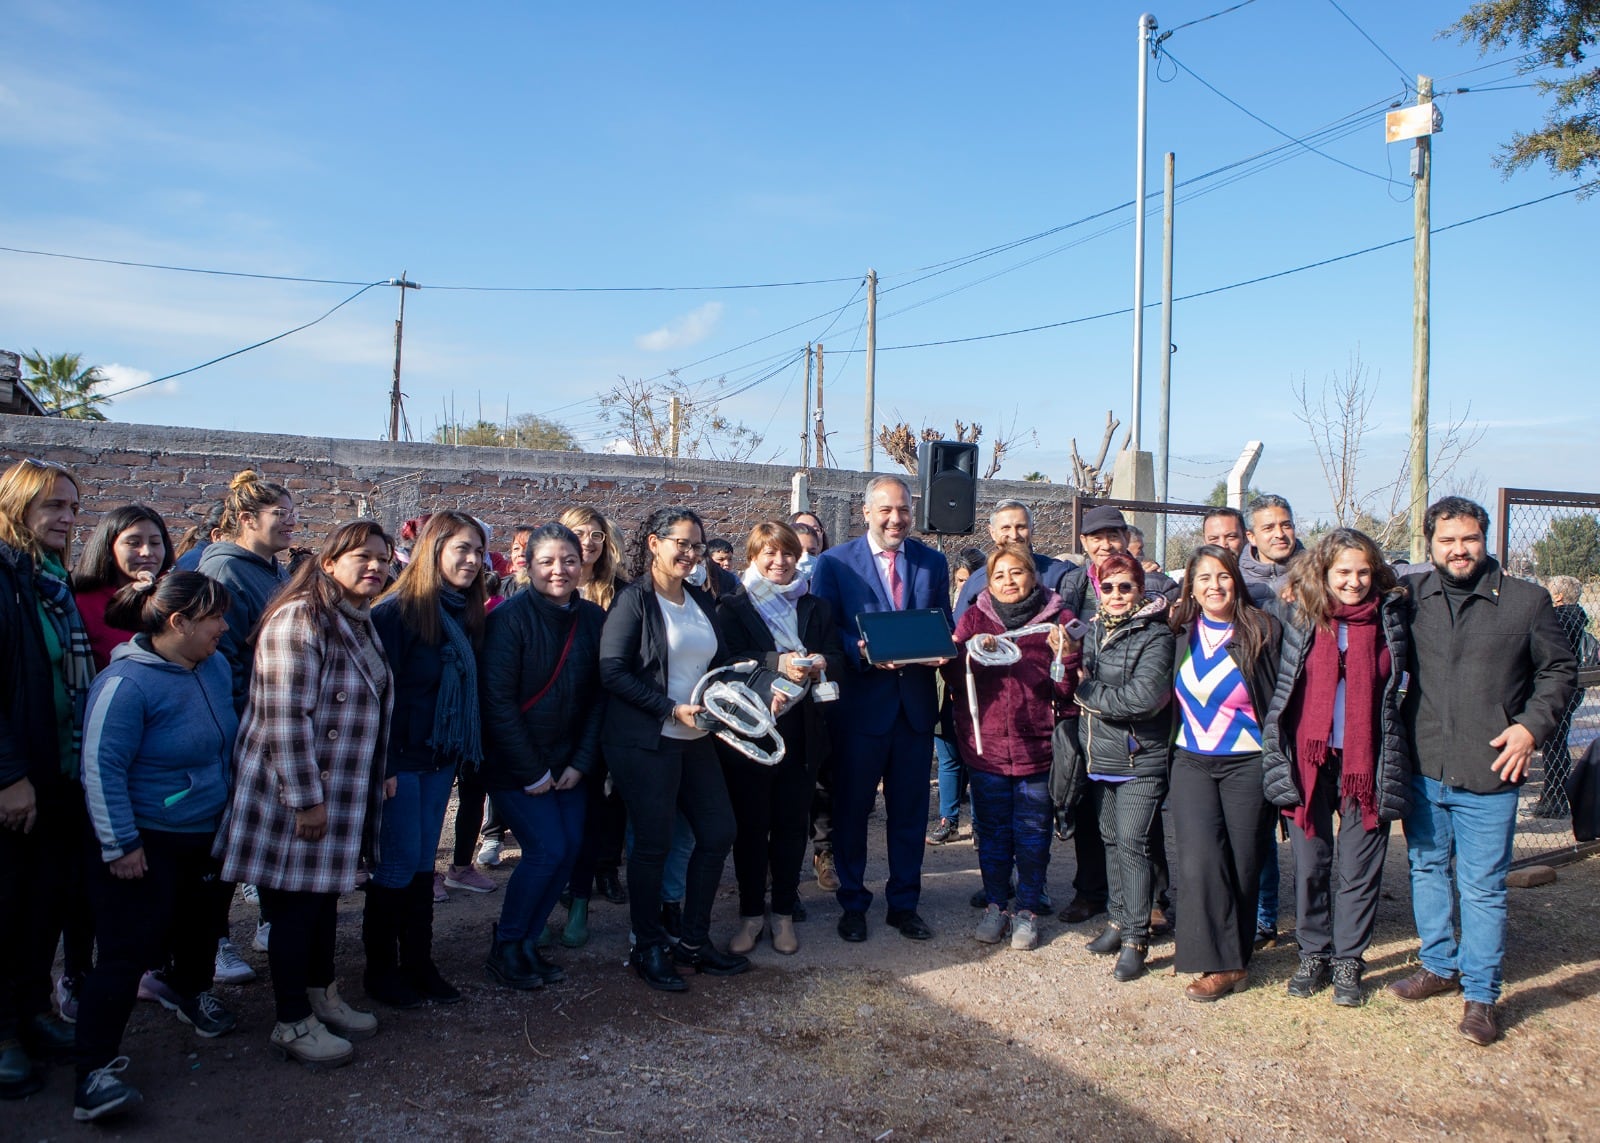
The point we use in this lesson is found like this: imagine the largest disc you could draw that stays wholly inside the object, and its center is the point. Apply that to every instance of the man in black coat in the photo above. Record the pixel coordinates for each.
(1491, 674)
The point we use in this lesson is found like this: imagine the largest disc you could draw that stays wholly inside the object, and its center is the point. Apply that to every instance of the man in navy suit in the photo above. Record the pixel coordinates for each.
(884, 721)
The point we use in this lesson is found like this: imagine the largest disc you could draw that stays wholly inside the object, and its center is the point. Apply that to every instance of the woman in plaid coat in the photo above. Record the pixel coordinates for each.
(309, 780)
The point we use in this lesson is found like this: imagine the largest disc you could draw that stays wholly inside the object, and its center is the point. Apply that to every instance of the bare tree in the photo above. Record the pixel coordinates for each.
(900, 443)
(641, 412)
(1092, 479)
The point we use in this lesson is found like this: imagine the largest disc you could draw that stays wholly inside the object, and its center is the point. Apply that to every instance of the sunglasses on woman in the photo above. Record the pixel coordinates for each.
(1117, 587)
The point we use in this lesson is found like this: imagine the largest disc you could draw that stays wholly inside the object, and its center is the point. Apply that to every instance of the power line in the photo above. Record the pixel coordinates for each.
(1191, 23)
(1272, 127)
(1404, 74)
(641, 289)
(1247, 282)
(236, 352)
(179, 269)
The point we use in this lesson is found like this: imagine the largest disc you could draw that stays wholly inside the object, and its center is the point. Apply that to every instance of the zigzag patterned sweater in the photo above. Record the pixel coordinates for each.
(1217, 716)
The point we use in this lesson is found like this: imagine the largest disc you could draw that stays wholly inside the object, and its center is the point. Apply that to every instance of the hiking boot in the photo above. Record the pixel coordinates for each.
(827, 875)
(312, 1043)
(993, 925)
(1347, 983)
(1310, 978)
(1130, 962)
(231, 968)
(945, 831)
(206, 1015)
(102, 1093)
(1025, 930)
(338, 1017)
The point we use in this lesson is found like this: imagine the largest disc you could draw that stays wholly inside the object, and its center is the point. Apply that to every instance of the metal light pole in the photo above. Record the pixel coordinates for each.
(1147, 25)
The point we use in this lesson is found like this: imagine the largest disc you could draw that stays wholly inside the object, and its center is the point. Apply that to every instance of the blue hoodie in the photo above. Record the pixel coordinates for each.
(157, 746)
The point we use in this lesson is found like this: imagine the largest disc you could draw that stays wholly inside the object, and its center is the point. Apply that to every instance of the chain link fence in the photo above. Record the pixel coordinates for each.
(1553, 539)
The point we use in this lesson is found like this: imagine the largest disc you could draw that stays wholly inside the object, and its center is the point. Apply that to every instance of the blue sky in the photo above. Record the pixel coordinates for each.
(641, 144)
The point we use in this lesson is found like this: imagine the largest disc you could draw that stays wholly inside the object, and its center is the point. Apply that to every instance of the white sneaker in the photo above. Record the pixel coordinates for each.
(251, 895)
(489, 852)
(311, 1043)
(263, 934)
(341, 1019)
(993, 925)
(231, 967)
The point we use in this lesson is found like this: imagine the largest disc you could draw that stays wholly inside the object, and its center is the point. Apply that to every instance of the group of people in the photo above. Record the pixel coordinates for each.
(179, 719)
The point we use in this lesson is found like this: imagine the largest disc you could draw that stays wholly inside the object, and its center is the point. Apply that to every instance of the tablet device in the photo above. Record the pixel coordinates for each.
(906, 636)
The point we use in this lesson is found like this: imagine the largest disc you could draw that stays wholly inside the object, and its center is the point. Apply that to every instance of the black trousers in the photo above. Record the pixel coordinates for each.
(822, 810)
(605, 831)
(1336, 919)
(40, 873)
(1130, 817)
(300, 953)
(170, 912)
(771, 808)
(1089, 879)
(1217, 812)
(471, 797)
(679, 774)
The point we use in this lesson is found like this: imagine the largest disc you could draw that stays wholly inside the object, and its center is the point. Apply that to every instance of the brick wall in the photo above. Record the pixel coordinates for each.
(180, 472)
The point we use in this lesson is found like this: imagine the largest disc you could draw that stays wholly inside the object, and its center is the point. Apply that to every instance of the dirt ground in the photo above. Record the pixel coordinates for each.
(894, 1039)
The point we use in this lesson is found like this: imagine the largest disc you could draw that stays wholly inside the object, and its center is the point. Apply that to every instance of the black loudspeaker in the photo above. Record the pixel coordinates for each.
(947, 472)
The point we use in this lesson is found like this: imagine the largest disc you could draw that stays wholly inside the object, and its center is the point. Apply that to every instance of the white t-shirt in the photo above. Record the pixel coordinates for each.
(691, 645)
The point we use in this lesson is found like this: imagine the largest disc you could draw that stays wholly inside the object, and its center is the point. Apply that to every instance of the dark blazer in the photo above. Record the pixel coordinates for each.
(847, 577)
(521, 647)
(1394, 751)
(633, 664)
(1049, 570)
(28, 746)
(748, 637)
(1078, 597)
(1503, 660)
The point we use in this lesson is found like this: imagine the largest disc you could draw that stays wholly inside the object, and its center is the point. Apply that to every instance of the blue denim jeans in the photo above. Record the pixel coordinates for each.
(1013, 817)
(952, 778)
(1267, 900)
(549, 828)
(1477, 829)
(408, 835)
(675, 873)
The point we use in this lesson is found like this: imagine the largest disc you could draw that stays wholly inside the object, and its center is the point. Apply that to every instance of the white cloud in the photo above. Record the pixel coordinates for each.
(122, 378)
(694, 326)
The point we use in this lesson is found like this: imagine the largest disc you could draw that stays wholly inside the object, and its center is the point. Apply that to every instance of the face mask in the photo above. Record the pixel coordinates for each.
(805, 565)
(698, 576)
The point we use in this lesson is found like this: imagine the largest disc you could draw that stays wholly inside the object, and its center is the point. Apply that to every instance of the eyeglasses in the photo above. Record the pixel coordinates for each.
(282, 513)
(1117, 588)
(685, 545)
(585, 537)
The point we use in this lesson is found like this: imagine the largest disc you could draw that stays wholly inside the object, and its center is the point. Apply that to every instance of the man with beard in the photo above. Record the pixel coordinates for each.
(1491, 674)
(884, 721)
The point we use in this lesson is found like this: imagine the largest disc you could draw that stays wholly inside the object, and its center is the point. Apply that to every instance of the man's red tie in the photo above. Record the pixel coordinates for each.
(897, 587)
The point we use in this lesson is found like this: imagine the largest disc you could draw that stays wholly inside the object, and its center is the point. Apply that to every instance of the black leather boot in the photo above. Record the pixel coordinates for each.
(1130, 962)
(654, 965)
(705, 958)
(508, 963)
(608, 885)
(1108, 942)
(547, 970)
(381, 922)
(416, 944)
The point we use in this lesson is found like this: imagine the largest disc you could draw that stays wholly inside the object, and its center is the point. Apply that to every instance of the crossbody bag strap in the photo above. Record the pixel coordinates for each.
(555, 674)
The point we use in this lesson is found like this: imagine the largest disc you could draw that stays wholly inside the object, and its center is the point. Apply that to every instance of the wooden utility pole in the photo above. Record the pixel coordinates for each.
(872, 360)
(674, 424)
(395, 396)
(805, 420)
(1421, 171)
(822, 437)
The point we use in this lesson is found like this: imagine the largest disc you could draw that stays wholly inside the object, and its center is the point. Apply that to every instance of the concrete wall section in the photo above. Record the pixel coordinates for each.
(180, 472)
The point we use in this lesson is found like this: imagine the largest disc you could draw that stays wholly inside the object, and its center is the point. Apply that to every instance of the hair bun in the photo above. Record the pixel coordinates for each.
(143, 582)
(243, 479)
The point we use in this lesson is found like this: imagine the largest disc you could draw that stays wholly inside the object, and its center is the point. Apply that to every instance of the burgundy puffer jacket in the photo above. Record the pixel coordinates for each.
(1018, 705)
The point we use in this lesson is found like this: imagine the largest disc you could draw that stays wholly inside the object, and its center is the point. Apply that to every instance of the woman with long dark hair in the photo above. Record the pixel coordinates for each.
(160, 734)
(1227, 666)
(191, 546)
(543, 705)
(661, 636)
(128, 543)
(1334, 742)
(779, 624)
(1125, 729)
(431, 625)
(309, 788)
(46, 667)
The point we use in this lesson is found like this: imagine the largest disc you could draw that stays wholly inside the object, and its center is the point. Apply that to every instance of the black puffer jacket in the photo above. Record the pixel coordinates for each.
(1126, 694)
(521, 647)
(28, 745)
(1394, 753)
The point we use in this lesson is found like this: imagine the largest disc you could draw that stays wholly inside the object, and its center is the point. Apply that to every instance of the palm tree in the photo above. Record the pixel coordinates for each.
(65, 387)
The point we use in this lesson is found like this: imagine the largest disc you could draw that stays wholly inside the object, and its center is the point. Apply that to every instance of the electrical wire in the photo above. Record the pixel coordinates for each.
(1180, 27)
(641, 289)
(235, 353)
(1248, 281)
(1405, 76)
(181, 269)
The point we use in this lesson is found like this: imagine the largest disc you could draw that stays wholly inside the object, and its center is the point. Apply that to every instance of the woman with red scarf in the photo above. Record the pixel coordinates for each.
(1333, 742)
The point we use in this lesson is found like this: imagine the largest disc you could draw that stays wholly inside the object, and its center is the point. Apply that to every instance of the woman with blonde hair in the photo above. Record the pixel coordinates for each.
(309, 780)
(46, 666)
(602, 554)
(258, 522)
(1333, 742)
(431, 623)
